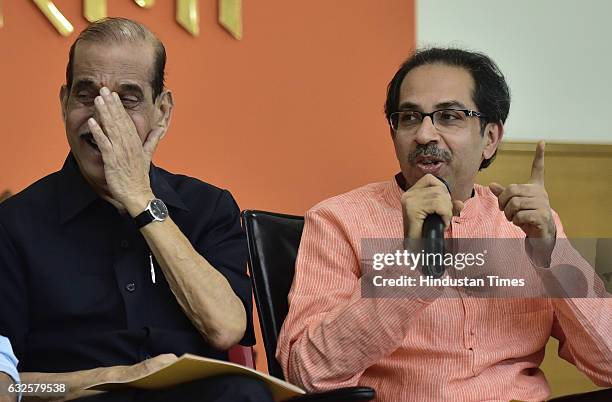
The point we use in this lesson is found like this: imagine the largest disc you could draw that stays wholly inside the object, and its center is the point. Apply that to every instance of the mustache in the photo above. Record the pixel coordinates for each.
(430, 149)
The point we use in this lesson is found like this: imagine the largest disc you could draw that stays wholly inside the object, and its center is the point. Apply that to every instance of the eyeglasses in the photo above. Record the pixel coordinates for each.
(445, 120)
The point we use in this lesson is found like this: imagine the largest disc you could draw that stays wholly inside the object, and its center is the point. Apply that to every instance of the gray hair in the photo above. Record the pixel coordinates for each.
(121, 30)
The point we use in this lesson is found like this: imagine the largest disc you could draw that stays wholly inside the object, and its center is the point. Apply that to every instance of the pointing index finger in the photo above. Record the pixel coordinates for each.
(537, 168)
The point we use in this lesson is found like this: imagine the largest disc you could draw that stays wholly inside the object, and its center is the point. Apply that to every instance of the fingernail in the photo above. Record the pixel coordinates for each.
(105, 91)
(99, 100)
(91, 121)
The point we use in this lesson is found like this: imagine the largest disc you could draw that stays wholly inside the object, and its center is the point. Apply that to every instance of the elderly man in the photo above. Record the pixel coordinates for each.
(8, 371)
(446, 109)
(111, 267)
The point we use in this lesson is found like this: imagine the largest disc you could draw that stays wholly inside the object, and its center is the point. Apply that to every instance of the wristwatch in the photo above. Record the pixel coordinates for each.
(155, 211)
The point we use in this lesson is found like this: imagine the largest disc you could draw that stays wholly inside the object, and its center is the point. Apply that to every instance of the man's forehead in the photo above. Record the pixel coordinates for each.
(121, 63)
(433, 85)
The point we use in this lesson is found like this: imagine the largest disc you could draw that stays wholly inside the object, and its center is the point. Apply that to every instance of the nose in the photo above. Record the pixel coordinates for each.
(426, 132)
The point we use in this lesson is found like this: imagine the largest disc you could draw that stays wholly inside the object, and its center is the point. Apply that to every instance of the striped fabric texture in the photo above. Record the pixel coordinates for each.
(410, 349)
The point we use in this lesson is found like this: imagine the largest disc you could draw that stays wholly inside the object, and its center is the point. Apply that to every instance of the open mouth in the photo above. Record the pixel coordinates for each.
(89, 139)
(429, 164)
(428, 160)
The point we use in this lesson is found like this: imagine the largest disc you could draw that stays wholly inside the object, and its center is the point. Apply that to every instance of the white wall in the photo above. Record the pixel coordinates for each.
(556, 55)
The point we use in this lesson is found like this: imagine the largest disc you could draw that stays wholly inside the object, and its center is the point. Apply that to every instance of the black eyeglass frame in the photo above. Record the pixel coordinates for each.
(467, 112)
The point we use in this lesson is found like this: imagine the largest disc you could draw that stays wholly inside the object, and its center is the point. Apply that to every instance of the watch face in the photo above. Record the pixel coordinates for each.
(158, 209)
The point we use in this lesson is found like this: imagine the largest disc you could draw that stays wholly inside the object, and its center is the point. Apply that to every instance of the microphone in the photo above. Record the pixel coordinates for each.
(433, 242)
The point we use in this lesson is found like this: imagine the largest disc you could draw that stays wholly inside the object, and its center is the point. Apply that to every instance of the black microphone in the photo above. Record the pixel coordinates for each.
(433, 242)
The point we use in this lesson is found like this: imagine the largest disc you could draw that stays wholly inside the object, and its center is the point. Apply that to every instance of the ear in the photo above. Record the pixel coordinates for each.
(164, 104)
(63, 95)
(493, 135)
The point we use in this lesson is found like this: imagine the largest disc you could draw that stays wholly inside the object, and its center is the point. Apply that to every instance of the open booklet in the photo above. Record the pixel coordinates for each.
(191, 367)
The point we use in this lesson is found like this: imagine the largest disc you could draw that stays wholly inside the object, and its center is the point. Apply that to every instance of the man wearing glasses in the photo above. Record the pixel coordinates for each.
(446, 110)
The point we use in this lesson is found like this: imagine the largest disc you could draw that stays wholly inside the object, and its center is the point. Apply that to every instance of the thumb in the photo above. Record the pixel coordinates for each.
(159, 361)
(458, 207)
(496, 188)
(165, 358)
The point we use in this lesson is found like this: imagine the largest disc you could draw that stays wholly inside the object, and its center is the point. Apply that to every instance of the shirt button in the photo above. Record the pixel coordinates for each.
(130, 287)
(124, 243)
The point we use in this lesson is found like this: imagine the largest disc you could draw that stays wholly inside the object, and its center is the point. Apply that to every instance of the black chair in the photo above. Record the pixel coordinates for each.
(273, 241)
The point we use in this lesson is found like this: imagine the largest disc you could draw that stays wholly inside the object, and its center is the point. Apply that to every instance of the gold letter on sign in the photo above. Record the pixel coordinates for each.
(145, 3)
(230, 17)
(188, 16)
(54, 15)
(94, 9)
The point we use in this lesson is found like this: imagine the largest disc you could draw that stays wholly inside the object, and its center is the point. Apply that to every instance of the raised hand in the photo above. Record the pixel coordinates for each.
(126, 158)
(527, 205)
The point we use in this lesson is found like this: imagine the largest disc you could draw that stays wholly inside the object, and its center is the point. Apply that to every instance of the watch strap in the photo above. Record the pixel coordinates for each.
(144, 218)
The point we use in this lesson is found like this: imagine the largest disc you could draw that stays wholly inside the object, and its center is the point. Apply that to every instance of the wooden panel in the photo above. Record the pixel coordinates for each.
(578, 180)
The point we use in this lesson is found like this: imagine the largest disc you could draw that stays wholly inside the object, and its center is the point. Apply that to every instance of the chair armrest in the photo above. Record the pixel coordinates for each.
(350, 394)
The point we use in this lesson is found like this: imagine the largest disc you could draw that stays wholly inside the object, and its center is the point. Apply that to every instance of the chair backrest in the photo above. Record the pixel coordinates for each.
(273, 241)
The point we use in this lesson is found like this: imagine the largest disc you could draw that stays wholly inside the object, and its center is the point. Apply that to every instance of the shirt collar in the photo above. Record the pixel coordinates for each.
(162, 189)
(75, 194)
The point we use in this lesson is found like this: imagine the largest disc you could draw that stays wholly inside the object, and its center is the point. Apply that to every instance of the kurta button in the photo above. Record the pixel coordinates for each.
(124, 243)
(130, 287)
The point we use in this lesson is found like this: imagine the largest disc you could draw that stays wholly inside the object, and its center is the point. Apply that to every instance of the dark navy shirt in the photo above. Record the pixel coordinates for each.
(75, 276)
